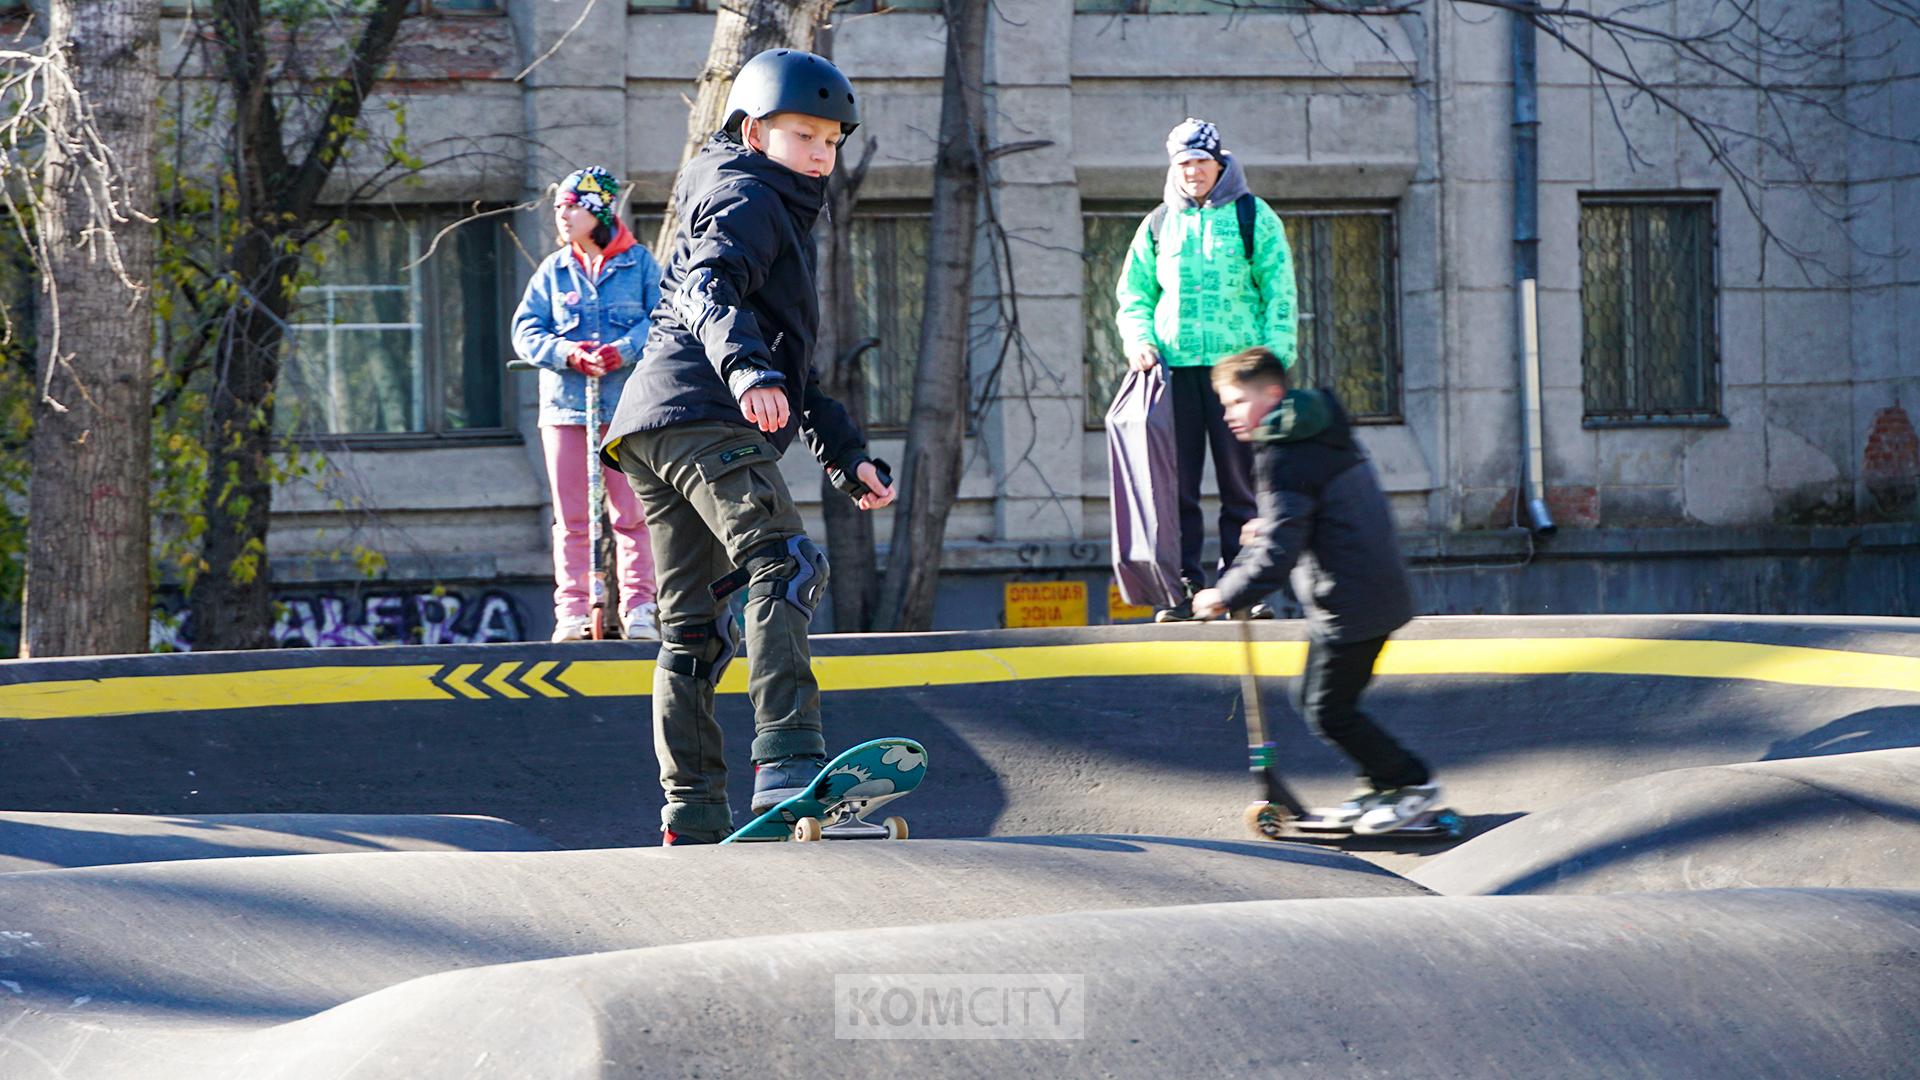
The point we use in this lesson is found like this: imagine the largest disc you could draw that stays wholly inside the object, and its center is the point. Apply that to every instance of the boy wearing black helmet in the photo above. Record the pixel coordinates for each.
(725, 382)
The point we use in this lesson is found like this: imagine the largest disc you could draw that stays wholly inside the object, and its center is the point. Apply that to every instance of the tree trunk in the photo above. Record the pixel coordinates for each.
(277, 201)
(231, 600)
(88, 523)
(854, 583)
(744, 29)
(929, 475)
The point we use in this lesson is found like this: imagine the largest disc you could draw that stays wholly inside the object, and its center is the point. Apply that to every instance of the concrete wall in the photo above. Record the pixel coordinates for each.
(1820, 358)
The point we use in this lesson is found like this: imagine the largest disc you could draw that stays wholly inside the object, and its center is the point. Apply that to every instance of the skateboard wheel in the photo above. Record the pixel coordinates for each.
(896, 828)
(806, 829)
(1450, 822)
(1265, 820)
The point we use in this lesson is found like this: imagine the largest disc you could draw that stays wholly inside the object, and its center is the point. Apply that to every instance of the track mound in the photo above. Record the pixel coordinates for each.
(31, 841)
(1848, 821)
(1436, 986)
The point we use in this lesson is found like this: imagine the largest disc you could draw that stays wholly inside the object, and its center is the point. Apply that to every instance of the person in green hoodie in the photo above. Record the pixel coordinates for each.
(1209, 273)
(1324, 520)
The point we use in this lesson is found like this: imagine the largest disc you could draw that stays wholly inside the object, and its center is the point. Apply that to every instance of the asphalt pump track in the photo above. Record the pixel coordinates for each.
(1693, 849)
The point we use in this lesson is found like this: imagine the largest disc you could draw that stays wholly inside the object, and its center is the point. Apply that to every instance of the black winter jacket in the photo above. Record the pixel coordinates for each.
(1323, 517)
(738, 309)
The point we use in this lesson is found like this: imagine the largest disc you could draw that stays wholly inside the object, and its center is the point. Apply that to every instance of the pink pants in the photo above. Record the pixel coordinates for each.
(566, 448)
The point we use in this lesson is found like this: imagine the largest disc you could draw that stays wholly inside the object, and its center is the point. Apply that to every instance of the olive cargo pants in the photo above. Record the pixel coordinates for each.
(716, 502)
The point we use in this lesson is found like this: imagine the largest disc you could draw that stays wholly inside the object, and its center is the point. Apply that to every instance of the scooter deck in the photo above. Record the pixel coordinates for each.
(1275, 822)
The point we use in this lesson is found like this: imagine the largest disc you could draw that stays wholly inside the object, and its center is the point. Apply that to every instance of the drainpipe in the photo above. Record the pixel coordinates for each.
(1526, 265)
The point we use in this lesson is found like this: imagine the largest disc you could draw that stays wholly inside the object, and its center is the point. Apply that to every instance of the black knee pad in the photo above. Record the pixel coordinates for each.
(682, 649)
(801, 579)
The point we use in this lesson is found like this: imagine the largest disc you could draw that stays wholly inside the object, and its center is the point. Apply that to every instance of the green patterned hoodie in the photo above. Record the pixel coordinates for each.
(1199, 299)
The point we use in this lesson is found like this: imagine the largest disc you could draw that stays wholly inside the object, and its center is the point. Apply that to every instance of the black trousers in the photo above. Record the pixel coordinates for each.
(1329, 699)
(1199, 422)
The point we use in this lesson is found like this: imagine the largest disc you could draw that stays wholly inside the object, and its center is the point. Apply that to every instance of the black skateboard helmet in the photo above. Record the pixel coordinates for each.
(789, 80)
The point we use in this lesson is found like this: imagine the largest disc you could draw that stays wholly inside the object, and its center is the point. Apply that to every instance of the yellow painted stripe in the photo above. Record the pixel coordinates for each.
(536, 677)
(497, 678)
(330, 685)
(458, 677)
(1782, 664)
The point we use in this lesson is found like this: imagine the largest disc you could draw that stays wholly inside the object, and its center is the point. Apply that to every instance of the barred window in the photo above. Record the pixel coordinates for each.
(1346, 282)
(1189, 7)
(1649, 351)
(392, 341)
(889, 292)
(1343, 265)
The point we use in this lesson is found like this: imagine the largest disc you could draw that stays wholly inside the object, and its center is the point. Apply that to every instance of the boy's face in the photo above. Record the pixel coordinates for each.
(1247, 404)
(1198, 176)
(806, 144)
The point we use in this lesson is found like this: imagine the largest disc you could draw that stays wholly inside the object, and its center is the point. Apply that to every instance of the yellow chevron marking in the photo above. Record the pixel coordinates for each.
(536, 677)
(335, 684)
(497, 678)
(458, 677)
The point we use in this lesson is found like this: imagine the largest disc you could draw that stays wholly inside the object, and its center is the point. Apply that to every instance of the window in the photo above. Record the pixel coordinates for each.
(333, 8)
(889, 292)
(1103, 247)
(391, 341)
(843, 7)
(1648, 351)
(1344, 263)
(1189, 7)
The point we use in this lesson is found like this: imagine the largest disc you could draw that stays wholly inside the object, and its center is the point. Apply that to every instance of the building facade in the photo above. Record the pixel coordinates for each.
(1728, 370)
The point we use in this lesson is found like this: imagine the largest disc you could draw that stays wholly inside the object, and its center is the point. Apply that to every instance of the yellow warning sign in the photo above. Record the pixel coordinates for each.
(1046, 603)
(1118, 610)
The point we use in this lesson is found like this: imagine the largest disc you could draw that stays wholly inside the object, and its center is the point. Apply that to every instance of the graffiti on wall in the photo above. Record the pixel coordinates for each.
(326, 620)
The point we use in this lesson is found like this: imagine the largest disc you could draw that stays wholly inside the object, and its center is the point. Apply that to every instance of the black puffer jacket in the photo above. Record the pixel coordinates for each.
(738, 308)
(1323, 517)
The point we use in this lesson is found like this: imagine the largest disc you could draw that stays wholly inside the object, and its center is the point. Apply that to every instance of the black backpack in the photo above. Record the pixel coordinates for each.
(1243, 207)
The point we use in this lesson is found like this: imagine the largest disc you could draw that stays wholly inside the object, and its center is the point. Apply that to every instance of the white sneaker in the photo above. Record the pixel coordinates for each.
(642, 623)
(1392, 809)
(571, 628)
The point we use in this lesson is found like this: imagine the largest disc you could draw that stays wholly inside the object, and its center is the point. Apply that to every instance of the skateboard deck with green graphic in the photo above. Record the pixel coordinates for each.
(835, 805)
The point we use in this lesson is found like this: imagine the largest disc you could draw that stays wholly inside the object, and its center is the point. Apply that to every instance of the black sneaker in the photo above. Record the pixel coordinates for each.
(776, 781)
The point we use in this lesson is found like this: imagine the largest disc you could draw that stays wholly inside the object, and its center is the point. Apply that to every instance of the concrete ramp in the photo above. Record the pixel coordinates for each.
(1713, 984)
(30, 841)
(257, 939)
(1849, 821)
(1098, 730)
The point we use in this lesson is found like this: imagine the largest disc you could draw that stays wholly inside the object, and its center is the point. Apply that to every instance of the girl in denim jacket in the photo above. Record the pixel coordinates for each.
(585, 313)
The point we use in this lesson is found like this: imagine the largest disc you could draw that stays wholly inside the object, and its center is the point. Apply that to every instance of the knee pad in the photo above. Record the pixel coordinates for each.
(800, 580)
(683, 648)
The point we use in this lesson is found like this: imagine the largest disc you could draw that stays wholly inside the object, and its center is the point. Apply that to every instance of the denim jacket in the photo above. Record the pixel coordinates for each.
(563, 304)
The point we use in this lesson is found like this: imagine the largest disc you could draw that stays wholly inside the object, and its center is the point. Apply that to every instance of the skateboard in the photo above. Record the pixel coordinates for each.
(836, 804)
(1277, 814)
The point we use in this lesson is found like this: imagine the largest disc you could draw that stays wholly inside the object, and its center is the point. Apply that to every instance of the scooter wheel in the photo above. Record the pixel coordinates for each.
(1265, 820)
(598, 626)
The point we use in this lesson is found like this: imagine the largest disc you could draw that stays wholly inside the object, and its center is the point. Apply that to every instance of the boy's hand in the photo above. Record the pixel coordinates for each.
(765, 407)
(1142, 358)
(1250, 533)
(882, 493)
(1208, 604)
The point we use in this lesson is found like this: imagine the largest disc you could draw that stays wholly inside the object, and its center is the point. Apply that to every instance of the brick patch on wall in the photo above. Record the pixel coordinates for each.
(1891, 465)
